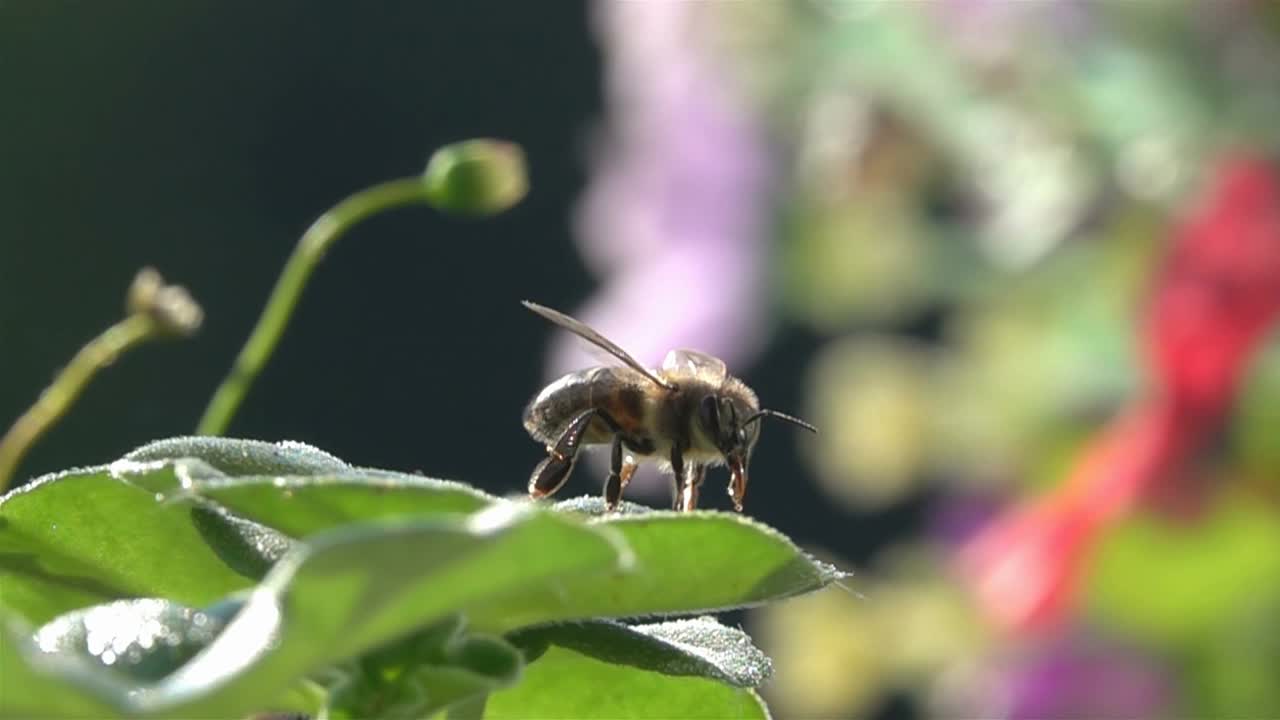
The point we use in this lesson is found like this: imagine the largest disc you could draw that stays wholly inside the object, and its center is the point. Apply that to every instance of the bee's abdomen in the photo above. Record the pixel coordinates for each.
(547, 414)
(606, 389)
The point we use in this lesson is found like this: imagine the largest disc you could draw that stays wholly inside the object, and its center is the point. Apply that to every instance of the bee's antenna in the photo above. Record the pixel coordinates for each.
(780, 416)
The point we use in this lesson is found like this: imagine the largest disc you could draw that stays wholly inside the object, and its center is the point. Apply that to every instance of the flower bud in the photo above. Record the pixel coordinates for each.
(142, 293)
(476, 177)
(172, 308)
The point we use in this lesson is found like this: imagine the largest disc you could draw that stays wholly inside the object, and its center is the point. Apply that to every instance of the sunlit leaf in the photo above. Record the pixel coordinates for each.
(38, 685)
(243, 457)
(301, 506)
(357, 588)
(686, 669)
(685, 563)
(90, 536)
(140, 640)
(695, 647)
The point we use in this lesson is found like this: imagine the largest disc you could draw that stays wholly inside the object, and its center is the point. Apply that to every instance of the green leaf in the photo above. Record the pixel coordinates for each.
(594, 506)
(696, 647)
(38, 685)
(246, 547)
(140, 640)
(357, 588)
(687, 669)
(378, 581)
(481, 665)
(685, 563)
(242, 457)
(302, 506)
(102, 662)
(427, 672)
(90, 536)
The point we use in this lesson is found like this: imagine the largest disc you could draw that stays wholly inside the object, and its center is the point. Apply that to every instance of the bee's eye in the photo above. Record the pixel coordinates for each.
(727, 438)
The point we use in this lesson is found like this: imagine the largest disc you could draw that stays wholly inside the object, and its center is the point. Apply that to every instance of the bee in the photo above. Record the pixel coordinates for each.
(687, 416)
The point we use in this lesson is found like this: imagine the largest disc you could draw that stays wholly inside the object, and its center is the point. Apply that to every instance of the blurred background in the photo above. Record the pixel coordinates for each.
(1020, 261)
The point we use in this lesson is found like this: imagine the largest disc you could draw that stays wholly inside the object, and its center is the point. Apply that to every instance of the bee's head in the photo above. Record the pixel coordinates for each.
(735, 430)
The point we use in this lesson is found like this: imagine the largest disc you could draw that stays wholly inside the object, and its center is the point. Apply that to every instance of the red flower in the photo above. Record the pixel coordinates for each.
(1219, 289)
(1216, 294)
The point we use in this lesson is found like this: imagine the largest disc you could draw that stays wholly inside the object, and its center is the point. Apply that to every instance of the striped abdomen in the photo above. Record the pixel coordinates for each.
(620, 392)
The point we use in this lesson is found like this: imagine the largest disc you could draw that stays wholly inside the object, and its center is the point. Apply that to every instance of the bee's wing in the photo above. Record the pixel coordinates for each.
(692, 362)
(584, 331)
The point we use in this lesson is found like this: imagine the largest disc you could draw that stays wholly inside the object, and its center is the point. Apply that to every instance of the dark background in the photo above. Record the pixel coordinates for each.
(203, 137)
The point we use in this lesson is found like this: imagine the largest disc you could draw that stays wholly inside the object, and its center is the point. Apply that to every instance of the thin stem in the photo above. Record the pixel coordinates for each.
(317, 240)
(54, 401)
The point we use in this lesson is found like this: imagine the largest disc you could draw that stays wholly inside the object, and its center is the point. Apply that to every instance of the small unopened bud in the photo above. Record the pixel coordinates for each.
(142, 293)
(476, 177)
(172, 308)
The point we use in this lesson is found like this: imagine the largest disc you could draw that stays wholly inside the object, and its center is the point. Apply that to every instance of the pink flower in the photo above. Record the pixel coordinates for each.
(1078, 675)
(675, 219)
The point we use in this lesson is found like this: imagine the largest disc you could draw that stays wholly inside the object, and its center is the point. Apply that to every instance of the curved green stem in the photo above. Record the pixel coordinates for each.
(317, 240)
(54, 401)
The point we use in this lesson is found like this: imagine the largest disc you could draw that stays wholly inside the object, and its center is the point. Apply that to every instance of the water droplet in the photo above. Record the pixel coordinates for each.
(95, 642)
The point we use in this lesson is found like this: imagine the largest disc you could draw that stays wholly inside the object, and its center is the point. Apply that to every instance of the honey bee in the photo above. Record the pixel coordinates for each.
(688, 415)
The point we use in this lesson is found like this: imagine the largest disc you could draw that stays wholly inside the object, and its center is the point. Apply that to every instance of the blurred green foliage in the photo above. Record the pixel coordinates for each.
(977, 196)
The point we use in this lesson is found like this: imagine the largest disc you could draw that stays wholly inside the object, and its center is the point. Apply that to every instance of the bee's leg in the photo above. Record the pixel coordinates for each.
(689, 495)
(678, 478)
(621, 467)
(629, 466)
(551, 473)
(613, 485)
